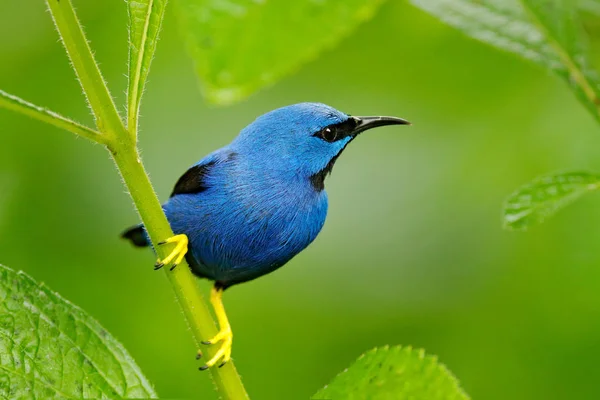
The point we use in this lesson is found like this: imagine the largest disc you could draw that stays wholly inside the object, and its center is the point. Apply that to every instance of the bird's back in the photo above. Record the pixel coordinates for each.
(243, 220)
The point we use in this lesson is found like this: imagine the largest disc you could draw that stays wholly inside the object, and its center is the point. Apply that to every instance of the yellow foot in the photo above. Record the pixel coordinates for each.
(178, 253)
(224, 336)
(224, 353)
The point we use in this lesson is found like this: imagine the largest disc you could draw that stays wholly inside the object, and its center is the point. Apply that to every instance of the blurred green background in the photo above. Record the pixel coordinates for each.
(412, 252)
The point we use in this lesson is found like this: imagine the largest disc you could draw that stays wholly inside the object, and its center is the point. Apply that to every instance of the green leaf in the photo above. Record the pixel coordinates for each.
(240, 46)
(145, 19)
(543, 197)
(53, 349)
(397, 373)
(547, 32)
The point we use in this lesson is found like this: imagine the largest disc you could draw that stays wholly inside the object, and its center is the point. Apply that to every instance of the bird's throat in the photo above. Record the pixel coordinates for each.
(318, 180)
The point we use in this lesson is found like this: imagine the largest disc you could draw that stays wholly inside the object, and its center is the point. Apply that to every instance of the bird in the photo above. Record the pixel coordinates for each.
(246, 209)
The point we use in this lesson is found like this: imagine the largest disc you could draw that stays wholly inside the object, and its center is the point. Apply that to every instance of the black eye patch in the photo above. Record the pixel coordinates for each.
(335, 132)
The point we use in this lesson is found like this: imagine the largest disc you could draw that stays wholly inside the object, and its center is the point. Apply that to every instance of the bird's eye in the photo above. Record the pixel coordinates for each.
(328, 134)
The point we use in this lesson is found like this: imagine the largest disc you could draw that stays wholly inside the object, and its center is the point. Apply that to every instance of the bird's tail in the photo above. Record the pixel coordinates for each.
(137, 235)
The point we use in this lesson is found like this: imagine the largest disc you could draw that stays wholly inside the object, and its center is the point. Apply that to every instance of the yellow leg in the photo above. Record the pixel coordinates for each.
(224, 335)
(178, 253)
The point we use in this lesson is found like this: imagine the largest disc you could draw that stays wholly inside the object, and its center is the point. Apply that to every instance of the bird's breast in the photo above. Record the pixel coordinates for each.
(243, 230)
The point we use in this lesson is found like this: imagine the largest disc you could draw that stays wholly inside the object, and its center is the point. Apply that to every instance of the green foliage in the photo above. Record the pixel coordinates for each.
(543, 197)
(52, 349)
(394, 373)
(547, 32)
(145, 19)
(242, 46)
(559, 20)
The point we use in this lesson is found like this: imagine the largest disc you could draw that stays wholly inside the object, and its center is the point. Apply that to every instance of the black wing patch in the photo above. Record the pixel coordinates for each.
(194, 180)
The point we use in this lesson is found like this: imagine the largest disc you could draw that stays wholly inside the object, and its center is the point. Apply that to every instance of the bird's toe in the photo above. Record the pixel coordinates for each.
(223, 354)
(177, 254)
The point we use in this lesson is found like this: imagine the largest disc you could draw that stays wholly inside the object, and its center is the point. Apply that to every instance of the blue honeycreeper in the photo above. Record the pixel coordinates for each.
(248, 208)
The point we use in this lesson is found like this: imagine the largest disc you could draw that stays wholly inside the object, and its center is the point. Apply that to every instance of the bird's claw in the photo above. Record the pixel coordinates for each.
(224, 352)
(178, 253)
(225, 335)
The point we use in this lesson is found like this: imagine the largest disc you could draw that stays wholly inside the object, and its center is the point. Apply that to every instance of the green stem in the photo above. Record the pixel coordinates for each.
(197, 314)
(21, 106)
(123, 148)
(86, 68)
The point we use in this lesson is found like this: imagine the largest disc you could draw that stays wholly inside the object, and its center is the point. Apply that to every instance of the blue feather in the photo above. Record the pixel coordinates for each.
(251, 206)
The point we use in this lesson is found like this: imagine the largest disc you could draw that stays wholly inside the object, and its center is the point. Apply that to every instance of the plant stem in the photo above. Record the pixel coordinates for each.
(86, 68)
(19, 105)
(123, 148)
(197, 314)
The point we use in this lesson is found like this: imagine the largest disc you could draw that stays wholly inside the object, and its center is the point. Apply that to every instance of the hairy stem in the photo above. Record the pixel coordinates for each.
(122, 146)
(21, 106)
(197, 314)
(86, 68)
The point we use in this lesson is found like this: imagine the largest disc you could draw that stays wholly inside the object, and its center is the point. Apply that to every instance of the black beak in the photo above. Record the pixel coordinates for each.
(364, 123)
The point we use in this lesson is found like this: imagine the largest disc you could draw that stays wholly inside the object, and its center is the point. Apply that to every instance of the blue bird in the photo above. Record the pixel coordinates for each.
(248, 208)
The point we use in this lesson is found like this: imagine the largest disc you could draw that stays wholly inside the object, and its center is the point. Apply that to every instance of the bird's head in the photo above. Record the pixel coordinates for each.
(305, 139)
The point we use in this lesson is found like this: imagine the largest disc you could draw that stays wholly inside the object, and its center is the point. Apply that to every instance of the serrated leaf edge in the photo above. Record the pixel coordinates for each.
(507, 223)
(421, 353)
(147, 386)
